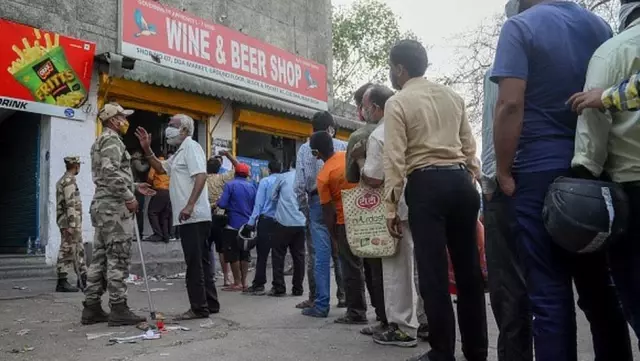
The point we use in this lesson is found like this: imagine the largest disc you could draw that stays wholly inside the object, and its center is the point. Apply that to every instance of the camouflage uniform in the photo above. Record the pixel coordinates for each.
(69, 216)
(114, 232)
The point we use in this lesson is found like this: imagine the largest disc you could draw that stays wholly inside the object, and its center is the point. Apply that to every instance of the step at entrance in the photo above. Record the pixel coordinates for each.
(25, 266)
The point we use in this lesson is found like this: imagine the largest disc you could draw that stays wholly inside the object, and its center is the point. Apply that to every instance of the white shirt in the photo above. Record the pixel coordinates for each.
(374, 165)
(188, 161)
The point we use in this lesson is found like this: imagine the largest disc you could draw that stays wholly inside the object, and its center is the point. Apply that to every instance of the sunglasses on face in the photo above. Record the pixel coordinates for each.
(315, 153)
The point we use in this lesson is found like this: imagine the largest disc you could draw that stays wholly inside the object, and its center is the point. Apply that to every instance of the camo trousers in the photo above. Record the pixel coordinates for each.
(71, 254)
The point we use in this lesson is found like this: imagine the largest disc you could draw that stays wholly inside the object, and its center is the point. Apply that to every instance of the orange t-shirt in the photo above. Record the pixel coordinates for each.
(331, 181)
(158, 181)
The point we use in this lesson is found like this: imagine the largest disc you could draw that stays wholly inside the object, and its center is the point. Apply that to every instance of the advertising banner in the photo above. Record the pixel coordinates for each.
(154, 32)
(259, 168)
(44, 72)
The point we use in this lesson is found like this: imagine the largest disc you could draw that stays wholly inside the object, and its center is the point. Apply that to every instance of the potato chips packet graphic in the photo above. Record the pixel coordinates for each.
(45, 71)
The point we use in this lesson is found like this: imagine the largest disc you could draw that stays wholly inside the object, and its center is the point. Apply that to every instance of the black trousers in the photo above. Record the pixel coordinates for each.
(443, 210)
(352, 275)
(203, 296)
(266, 226)
(507, 287)
(375, 286)
(292, 238)
(160, 215)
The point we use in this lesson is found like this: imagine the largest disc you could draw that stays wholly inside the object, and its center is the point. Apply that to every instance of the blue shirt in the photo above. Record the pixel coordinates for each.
(308, 167)
(288, 213)
(488, 178)
(549, 46)
(238, 198)
(264, 205)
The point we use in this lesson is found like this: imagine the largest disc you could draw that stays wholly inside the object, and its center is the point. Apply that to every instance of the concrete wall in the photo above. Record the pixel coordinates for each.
(66, 137)
(301, 27)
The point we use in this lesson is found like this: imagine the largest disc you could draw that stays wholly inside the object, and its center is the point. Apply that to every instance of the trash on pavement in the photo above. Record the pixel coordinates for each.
(23, 332)
(154, 290)
(23, 349)
(20, 288)
(208, 324)
(133, 279)
(169, 283)
(94, 336)
(177, 276)
(177, 328)
(149, 335)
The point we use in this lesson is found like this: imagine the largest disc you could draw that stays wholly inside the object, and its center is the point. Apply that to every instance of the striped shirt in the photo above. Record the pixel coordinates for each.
(624, 96)
(307, 168)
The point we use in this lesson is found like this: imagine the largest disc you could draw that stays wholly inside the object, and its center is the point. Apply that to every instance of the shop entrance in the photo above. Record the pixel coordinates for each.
(19, 182)
(264, 146)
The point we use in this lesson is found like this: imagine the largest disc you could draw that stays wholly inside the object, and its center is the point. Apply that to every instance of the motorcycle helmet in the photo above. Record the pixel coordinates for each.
(247, 238)
(584, 215)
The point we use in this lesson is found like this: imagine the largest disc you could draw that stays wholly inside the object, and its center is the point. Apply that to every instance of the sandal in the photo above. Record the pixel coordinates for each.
(351, 320)
(233, 288)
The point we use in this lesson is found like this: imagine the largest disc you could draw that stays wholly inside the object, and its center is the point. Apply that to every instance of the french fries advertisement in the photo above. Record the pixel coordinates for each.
(44, 72)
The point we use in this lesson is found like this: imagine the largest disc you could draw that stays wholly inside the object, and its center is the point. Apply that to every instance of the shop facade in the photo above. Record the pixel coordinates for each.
(250, 78)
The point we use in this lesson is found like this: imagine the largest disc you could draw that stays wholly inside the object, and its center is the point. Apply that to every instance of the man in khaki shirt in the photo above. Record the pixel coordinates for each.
(428, 140)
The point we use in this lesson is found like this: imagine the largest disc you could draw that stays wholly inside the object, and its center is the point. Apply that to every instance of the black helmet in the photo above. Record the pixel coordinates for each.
(584, 215)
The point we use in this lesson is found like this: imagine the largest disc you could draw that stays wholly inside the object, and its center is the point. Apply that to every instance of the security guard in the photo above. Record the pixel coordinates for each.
(69, 218)
(112, 212)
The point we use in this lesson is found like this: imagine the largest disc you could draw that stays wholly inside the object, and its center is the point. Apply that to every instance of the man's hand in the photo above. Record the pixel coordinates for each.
(506, 183)
(589, 99)
(394, 227)
(132, 205)
(224, 153)
(144, 138)
(185, 213)
(145, 189)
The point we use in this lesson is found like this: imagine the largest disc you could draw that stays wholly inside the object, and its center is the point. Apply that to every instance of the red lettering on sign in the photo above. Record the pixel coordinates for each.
(368, 201)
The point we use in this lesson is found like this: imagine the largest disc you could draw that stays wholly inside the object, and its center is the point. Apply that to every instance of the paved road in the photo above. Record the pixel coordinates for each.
(248, 328)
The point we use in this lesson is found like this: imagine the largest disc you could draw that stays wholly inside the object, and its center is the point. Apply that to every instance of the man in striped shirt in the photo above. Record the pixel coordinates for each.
(319, 248)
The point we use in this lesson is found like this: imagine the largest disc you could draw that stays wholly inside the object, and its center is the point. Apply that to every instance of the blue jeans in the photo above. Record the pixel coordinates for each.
(549, 271)
(322, 246)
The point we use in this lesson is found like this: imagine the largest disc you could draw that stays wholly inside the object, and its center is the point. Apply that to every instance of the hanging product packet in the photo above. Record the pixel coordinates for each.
(365, 223)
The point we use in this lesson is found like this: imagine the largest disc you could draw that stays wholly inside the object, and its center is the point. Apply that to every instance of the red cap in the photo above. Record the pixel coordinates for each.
(242, 169)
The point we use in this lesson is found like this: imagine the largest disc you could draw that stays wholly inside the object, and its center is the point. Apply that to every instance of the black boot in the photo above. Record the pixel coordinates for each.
(82, 282)
(121, 315)
(65, 286)
(93, 313)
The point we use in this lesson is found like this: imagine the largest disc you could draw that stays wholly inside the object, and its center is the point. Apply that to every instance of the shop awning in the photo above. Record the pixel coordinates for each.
(155, 74)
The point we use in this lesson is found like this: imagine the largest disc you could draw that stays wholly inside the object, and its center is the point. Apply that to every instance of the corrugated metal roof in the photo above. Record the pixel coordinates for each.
(156, 74)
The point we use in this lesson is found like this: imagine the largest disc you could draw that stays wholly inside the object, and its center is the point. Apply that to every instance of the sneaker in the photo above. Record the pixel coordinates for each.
(351, 320)
(274, 293)
(255, 291)
(423, 332)
(372, 330)
(395, 337)
(314, 312)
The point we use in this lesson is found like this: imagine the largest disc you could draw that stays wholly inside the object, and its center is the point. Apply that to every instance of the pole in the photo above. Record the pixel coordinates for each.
(152, 310)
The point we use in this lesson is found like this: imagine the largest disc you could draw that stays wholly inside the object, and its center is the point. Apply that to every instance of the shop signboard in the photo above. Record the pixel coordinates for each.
(44, 72)
(259, 168)
(153, 32)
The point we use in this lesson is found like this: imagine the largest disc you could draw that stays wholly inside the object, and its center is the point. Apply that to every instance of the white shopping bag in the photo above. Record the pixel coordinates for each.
(365, 223)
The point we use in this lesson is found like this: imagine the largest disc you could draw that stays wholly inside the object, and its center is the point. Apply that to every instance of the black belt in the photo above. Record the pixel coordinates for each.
(442, 167)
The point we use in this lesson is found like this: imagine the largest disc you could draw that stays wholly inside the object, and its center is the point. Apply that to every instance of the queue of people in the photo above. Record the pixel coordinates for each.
(544, 117)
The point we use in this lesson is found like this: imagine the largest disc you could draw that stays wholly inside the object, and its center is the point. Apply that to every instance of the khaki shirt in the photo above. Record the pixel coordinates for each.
(608, 141)
(68, 202)
(425, 124)
(111, 169)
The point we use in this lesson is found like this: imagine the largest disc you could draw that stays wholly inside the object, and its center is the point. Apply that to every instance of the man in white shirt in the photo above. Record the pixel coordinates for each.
(398, 271)
(191, 209)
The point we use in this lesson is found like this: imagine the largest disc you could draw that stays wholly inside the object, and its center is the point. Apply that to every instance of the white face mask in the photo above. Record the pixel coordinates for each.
(512, 8)
(331, 131)
(173, 135)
